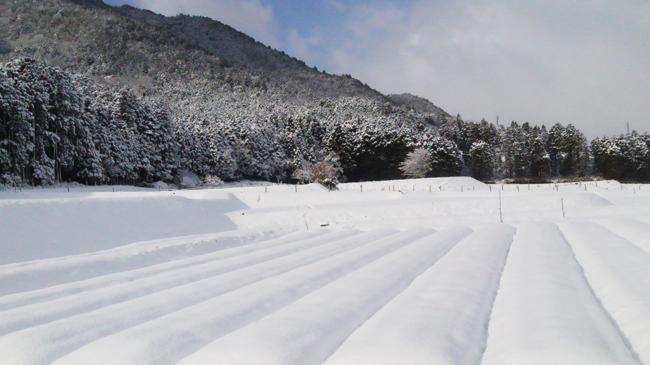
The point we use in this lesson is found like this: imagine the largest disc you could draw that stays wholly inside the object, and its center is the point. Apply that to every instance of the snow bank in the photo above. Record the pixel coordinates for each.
(632, 230)
(170, 338)
(309, 330)
(47, 342)
(111, 293)
(619, 273)
(57, 291)
(460, 183)
(545, 312)
(33, 229)
(442, 317)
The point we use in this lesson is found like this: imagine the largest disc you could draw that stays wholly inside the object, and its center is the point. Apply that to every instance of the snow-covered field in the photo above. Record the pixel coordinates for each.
(393, 272)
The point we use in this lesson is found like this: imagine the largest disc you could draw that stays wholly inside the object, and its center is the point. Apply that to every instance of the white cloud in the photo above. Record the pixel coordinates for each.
(247, 16)
(580, 62)
(304, 47)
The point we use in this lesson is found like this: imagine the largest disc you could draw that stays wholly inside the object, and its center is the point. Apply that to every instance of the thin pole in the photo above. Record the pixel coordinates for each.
(563, 212)
(500, 210)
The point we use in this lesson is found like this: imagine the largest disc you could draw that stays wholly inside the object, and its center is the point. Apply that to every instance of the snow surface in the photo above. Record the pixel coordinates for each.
(392, 272)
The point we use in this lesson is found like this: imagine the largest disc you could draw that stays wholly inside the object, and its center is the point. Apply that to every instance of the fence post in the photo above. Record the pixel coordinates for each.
(500, 210)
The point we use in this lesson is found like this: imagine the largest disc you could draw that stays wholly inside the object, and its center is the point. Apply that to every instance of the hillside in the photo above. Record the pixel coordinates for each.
(151, 52)
(233, 107)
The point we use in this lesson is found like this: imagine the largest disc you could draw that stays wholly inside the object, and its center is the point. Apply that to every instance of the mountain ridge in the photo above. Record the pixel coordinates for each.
(218, 38)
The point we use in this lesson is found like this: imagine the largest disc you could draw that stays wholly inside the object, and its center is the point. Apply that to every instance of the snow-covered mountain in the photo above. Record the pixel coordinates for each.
(151, 52)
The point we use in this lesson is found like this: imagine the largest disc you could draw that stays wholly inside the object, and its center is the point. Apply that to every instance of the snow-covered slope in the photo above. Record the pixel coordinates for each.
(410, 271)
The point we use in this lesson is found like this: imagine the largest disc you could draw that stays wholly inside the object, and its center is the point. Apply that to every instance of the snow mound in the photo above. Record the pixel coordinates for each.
(586, 200)
(459, 183)
(35, 229)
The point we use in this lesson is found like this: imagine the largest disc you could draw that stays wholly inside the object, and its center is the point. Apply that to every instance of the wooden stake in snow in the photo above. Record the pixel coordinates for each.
(296, 188)
(490, 188)
(266, 189)
(430, 188)
(500, 210)
(362, 188)
(563, 212)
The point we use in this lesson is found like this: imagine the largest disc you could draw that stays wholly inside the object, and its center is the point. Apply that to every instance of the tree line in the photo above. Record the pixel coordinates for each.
(56, 127)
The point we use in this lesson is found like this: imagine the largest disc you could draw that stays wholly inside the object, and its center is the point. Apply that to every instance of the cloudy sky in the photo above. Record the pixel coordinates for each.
(581, 62)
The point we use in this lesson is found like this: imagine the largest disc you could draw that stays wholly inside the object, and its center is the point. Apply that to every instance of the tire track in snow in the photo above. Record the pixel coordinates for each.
(33, 275)
(545, 311)
(310, 329)
(57, 291)
(171, 338)
(44, 343)
(441, 317)
(32, 315)
(619, 273)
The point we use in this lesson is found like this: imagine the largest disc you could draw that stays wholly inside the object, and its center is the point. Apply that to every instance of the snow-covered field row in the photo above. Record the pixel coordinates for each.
(269, 274)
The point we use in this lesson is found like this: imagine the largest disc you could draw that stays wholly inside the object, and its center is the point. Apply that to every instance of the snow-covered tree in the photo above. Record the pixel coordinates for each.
(417, 164)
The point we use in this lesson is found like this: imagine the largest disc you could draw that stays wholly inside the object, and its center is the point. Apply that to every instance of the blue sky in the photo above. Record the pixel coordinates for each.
(585, 62)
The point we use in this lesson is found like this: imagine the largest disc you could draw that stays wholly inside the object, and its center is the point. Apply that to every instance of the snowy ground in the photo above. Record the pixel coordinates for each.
(394, 272)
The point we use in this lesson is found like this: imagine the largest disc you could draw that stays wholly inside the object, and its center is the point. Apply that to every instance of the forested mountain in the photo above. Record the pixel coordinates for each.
(98, 94)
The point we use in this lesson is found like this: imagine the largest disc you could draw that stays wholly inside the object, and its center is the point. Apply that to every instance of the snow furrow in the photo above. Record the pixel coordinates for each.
(309, 330)
(58, 291)
(44, 343)
(545, 311)
(619, 273)
(33, 275)
(632, 230)
(170, 338)
(441, 318)
(35, 314)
